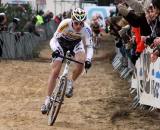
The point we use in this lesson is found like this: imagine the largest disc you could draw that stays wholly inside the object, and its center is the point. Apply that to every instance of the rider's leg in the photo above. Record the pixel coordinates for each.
(80, 56)
(56, 67)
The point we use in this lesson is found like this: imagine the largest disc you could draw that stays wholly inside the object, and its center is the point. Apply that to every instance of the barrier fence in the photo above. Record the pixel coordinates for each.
(14, 46)
(144, 78)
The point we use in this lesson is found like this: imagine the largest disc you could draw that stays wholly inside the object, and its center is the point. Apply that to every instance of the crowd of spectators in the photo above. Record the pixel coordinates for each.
(37, 19)
(31, 21)
(137, 26)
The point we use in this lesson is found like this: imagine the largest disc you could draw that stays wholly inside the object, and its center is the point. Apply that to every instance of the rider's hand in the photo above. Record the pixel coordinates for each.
(88, 64)
(55, 54)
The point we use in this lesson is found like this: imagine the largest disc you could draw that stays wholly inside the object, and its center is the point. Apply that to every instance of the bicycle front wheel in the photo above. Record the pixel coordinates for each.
(57, 102)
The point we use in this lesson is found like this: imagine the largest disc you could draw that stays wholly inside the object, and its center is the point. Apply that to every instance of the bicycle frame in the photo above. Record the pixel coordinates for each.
(68, 61)
(66, 68)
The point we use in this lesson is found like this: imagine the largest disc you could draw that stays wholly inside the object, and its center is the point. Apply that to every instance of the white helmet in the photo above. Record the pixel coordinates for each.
(79, 14)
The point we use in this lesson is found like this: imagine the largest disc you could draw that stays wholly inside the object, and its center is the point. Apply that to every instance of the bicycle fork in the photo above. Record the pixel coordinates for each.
(65, 74)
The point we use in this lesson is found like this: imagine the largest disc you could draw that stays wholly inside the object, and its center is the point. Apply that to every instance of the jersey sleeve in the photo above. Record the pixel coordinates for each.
(61, 28)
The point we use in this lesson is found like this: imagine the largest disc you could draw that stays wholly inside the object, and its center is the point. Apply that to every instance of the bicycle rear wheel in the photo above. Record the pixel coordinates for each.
(57, 101)
(96, 44)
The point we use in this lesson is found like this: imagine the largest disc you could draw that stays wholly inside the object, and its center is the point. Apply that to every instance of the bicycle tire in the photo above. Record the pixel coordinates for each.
(57, 105)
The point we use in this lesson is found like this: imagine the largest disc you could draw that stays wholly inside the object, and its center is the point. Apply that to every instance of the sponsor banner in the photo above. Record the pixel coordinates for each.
(134, 80)
(148, 76)
(103, 11)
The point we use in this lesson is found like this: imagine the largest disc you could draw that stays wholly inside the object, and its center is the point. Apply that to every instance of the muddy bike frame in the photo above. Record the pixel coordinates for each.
(68, 61)
(59, 91)
(96, 40)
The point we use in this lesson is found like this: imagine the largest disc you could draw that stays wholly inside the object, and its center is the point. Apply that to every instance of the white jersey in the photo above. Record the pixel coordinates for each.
(66, 33)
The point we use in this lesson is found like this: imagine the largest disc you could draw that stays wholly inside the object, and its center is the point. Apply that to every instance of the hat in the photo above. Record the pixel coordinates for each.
(2, 14)
(16, 19)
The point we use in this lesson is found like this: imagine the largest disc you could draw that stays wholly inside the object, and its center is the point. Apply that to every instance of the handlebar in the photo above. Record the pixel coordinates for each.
(70, 59)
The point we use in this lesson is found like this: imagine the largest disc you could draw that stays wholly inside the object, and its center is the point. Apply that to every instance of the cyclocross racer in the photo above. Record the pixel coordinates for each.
(69, 36)
(95, 26)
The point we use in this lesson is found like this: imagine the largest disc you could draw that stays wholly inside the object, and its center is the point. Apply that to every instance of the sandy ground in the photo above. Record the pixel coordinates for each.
(101, 99)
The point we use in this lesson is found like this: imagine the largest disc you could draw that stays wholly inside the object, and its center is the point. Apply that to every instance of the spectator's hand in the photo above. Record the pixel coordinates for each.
(119, 43)
(143, 38)
(149, 41)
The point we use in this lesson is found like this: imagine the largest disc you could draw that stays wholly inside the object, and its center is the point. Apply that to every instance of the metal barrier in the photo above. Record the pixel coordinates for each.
(144, 78)
(15, 46)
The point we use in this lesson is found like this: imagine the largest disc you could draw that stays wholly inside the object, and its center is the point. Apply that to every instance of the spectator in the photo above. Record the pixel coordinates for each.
(135, 17)
(60, 17)
(57, 19)
(39, 17)
(3, 22)
(151, 18)
(64, 15)
(13, 26)
(155, 39)
(114, 27)
(3, 27)
(31, 26)
(112, 13)
(156, 5)
(69, 13)
(48, 16)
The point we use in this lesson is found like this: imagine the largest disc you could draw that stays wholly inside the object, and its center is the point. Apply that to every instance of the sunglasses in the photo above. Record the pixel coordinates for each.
(76, 23)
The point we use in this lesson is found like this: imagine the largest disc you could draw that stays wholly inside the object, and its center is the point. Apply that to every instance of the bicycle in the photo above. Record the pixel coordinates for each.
(57, 96)
(96, 40)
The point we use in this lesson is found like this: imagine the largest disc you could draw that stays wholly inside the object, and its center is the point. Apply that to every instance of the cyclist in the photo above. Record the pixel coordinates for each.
(95, 26)
(96, 29)
(69, 36)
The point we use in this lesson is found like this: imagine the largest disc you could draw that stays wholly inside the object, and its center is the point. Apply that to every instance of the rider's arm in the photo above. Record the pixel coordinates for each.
(89, 43)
